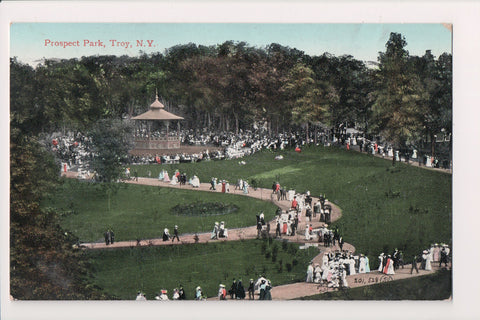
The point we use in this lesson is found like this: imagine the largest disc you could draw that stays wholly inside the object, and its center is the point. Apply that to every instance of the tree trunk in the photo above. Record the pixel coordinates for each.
(307, 133)
(235, 115)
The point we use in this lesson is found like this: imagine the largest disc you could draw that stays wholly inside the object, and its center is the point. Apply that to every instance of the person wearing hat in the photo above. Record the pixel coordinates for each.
(428, 262)
(294, 203)
(222, 232)
(278, 233)
(112, 236)
(310, 273)
(175, 234)
(199, 293)
(233, 290)
(367, 263)
(362, 268)
(414, 264)
(443, 257)
(380, 261)
(140, 296)
(163, 296)
(214, 235)
(213, 183)
(181, 293)
(107, 237)
(307, 233)
(389, 266)
(166, 235)
(222, 293)
(395, 259)
(251, 290)
(240, 290)
(318, 273)
(340, 243)
(424, 259)
(263, 287)
(176, 294)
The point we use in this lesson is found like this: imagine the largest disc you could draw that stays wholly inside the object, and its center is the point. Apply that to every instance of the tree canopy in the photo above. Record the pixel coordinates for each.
(227, 87)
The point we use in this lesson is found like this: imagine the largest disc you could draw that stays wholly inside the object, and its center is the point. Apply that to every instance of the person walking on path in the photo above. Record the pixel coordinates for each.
(175, 234)
(233, 290)
(251, 290)
(414, 264)
(107, 237)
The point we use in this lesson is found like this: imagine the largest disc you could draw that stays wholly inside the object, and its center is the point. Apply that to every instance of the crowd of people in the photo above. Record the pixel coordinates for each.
(260, 288)
(74, 149)
(178, 294)
(436, 254)
(335, 268)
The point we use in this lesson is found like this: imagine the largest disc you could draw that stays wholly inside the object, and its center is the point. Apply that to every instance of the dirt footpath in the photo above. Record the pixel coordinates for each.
(283, 292)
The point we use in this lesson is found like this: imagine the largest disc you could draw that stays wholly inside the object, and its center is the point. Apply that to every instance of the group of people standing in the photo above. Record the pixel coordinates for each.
(109, 237)
(219, 231)
(335, 267)
(236, 291)
(178, 294)
(435, 254)
(166, 234)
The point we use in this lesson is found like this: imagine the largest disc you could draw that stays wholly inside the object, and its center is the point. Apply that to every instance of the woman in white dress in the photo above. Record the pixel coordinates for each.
(343, 276)
(165, 177)
(318, 274)
(174, 180)
(195, 182)
(361, 267)
(380, 260)
(324, 264)
(428, 262)
(310, 273)
(367, 265)
(307, 233)
(436, 253)
(351, 261)
(389, 267)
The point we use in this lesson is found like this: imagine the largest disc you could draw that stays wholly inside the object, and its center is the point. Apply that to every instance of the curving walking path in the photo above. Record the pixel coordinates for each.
(283, 292)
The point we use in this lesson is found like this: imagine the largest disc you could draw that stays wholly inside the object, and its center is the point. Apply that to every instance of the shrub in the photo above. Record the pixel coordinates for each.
(289, 267)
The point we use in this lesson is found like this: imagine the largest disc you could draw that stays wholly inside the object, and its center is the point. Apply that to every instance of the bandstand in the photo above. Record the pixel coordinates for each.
(152, 129)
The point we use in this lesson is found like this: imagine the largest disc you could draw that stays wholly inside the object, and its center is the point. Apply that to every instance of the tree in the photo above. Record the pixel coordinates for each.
(110, 141)
(396, 111)
(436, 103)
(307, 99)
(45, 262)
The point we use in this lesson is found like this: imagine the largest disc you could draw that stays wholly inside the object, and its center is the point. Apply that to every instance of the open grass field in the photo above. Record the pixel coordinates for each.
(142, 212)
(384, 207)
(123, 272)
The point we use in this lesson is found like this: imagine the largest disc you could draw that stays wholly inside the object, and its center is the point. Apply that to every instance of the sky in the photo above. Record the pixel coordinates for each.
(30, 42)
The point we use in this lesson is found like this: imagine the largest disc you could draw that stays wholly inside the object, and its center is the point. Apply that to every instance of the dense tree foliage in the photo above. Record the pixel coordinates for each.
(227, 87)
(232, 85)
(44, 260)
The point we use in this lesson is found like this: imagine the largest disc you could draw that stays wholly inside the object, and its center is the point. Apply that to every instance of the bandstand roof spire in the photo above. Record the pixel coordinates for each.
(157, 112)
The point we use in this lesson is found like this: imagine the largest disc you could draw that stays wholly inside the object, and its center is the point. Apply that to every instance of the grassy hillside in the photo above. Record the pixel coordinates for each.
(384, 207)
(142, 212)
(122, 272)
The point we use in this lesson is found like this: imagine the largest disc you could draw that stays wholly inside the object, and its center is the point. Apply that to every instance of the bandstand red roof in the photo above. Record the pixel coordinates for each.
(157, 112)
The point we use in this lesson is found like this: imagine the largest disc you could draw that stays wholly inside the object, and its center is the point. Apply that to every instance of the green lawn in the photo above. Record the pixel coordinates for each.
(437, 286)
(122, 272)
(384, 207)
(142, 212)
